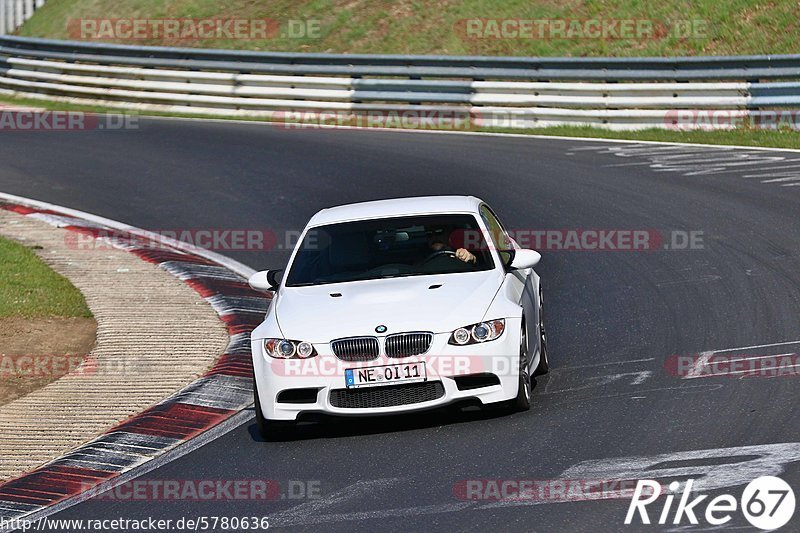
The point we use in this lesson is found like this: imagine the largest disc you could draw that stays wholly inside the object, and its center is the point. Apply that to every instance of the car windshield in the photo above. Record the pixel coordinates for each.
(388, 248)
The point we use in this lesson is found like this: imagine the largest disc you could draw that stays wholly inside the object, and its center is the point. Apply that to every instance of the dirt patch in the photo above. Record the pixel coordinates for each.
(38, 351)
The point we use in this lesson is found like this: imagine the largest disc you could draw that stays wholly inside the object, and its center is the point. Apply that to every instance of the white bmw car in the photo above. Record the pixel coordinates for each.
(395, 306)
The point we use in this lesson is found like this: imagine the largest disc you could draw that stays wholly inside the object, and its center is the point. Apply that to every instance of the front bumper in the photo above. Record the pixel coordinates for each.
(444, 363)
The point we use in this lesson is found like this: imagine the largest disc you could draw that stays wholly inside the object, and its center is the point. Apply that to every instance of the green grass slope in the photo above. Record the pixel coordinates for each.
(438, 27)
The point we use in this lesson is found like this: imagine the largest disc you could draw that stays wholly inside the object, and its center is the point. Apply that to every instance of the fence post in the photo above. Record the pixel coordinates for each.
(10, 16)
(18, 14)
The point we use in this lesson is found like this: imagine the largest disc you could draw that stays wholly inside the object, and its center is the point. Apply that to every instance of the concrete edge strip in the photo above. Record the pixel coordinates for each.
(215, 398)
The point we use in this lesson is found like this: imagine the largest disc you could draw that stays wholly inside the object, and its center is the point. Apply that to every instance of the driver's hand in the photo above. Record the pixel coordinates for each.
(465, 256)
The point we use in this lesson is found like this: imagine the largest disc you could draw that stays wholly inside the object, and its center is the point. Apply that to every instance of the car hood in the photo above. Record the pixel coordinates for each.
(400, 304)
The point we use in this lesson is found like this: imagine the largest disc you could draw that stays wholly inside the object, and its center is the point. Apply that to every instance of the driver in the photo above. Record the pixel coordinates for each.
(439, 243)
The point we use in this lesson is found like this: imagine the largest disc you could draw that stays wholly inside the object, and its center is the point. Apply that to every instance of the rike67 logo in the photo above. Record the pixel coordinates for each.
(767, 502)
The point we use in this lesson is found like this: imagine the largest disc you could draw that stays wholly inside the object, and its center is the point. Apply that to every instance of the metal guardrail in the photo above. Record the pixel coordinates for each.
(620, 93)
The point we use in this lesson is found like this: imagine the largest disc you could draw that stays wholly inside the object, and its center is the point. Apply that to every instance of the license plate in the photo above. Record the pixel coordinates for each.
(375, 376)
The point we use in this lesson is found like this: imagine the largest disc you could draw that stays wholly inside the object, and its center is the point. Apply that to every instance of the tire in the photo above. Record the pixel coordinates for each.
(270, 430)
(544, 361)
(523, 400)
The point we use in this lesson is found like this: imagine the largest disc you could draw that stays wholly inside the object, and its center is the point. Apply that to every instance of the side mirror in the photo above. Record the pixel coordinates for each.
(266, 280)
(524, 259)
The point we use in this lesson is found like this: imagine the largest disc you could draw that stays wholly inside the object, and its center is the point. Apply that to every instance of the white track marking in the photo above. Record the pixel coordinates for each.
(768, 459)
(755, 358)
(737, 372)
(306, 520)
(698, 365)
(783, 169)
(702, 279)
(756, 346)
(696, 371)
(602, 381)
(315, 508)
(593, 365)
(779, 180)
(680, 389)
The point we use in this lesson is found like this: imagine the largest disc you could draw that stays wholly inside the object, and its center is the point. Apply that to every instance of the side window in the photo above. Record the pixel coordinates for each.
(498, 234)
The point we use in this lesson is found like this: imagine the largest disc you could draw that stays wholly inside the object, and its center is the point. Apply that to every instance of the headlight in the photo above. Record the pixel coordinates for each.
(286, 349)
(475, 333)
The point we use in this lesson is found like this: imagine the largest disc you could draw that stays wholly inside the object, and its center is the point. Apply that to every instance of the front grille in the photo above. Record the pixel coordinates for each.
(355, 348)
(407, 344)
(387, 396)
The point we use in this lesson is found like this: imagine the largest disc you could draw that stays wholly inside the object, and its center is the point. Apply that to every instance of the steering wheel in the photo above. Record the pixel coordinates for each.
(440, 253)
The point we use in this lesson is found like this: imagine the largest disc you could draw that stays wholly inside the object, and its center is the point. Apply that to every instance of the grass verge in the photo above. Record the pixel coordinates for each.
(667, 27)
(30, 289)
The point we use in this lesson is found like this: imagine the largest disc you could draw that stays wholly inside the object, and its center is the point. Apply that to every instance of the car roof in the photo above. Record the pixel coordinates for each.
(397, 207)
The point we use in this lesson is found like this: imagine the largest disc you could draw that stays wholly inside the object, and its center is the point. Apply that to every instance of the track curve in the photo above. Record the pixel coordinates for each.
(614, 317)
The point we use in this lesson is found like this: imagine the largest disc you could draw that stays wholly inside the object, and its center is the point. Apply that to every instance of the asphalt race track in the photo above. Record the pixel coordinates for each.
(615, 318)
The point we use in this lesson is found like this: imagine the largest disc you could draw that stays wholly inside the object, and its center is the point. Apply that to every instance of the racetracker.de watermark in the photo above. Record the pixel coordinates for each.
(550, 490)
(21, 120)
(739, 366)
(16, 367)
(411, 119)
(599, 240)
(579, 29)
(435, 365)
(192, 29)
(219, 239)
(715, 119)
(281, 240)
(223, 490)
(35, 367)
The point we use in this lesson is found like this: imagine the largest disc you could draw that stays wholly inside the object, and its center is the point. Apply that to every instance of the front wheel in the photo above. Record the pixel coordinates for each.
(544, 362)
(523, 400)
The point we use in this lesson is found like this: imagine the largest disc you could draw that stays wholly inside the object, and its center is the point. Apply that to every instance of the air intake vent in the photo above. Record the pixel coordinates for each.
(387, 396)
(298, 396)
(476, 381)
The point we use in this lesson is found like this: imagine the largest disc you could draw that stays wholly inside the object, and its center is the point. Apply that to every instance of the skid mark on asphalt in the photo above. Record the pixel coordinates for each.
(761, 360)
(633, 372)
(622, 378)
(709, 468)
(632, 379)
(710, 278)
(594, 365)
(768, 168)
(766, 360)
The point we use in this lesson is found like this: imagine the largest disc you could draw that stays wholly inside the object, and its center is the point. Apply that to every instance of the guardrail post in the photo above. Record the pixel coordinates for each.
(10, 15)
(19, 15)
(2, 17)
